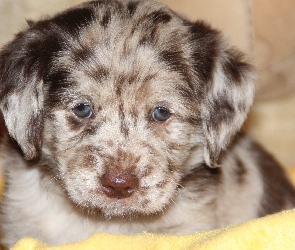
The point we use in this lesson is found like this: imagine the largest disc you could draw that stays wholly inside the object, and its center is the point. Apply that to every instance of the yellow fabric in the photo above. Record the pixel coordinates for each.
(271, 232)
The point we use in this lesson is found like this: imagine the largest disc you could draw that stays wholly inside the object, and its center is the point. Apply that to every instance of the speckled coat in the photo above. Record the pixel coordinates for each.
(125, 118)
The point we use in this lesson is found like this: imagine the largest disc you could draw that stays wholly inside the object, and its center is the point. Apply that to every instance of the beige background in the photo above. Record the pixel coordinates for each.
(262, 29)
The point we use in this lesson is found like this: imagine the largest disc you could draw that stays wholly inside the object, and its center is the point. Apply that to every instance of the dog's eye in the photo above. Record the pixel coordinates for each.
(161, 114)
(83, 110)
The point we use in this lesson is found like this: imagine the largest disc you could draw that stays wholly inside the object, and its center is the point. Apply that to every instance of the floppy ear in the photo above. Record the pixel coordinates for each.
(21, 95)
(227, 92)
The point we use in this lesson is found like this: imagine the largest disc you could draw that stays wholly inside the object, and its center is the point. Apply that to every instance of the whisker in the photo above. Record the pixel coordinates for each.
(185, 189)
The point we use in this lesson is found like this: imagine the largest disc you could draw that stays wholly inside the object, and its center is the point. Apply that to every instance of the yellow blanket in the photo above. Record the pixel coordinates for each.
(271, 232)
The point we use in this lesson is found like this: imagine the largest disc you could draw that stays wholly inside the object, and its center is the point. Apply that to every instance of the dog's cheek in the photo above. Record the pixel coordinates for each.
(178, 141)
(79, 184)
(79, 172)
(166, 164)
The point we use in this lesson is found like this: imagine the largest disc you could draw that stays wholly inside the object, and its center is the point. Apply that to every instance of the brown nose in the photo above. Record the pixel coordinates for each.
(120, 185)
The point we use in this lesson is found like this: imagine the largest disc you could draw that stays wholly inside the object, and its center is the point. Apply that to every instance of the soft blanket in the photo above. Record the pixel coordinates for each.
(275, 231)
(271, 232)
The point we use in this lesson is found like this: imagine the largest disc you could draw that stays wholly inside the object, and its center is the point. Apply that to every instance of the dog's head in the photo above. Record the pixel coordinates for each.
(117, 97)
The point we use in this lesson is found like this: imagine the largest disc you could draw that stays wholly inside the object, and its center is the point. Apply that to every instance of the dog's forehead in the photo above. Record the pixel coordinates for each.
(111, 34)
(120, 43)
(112, 30)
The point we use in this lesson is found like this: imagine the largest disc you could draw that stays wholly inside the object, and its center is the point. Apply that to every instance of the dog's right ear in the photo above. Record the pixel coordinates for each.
(21, 94)
(227, 90)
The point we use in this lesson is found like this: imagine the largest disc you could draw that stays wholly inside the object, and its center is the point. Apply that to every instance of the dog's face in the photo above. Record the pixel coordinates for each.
(120, 100)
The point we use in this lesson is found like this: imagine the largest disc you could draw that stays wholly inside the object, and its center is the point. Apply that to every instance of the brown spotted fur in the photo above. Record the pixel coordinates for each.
(125, 58)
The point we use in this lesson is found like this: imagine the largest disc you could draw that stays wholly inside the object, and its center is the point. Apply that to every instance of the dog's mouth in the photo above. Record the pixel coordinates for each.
(120, 206)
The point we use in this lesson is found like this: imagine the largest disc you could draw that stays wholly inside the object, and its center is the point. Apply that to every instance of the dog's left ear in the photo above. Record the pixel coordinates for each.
(21, 92)
(227, 92)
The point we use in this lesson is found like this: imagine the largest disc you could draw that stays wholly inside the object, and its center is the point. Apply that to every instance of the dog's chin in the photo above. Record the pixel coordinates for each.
(119, 211)
(127, 209)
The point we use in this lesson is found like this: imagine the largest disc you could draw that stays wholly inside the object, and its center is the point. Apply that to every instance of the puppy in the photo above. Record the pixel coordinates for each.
(125, 118)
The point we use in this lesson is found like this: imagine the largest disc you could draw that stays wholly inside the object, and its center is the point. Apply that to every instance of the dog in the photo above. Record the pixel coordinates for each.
(126, 117)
